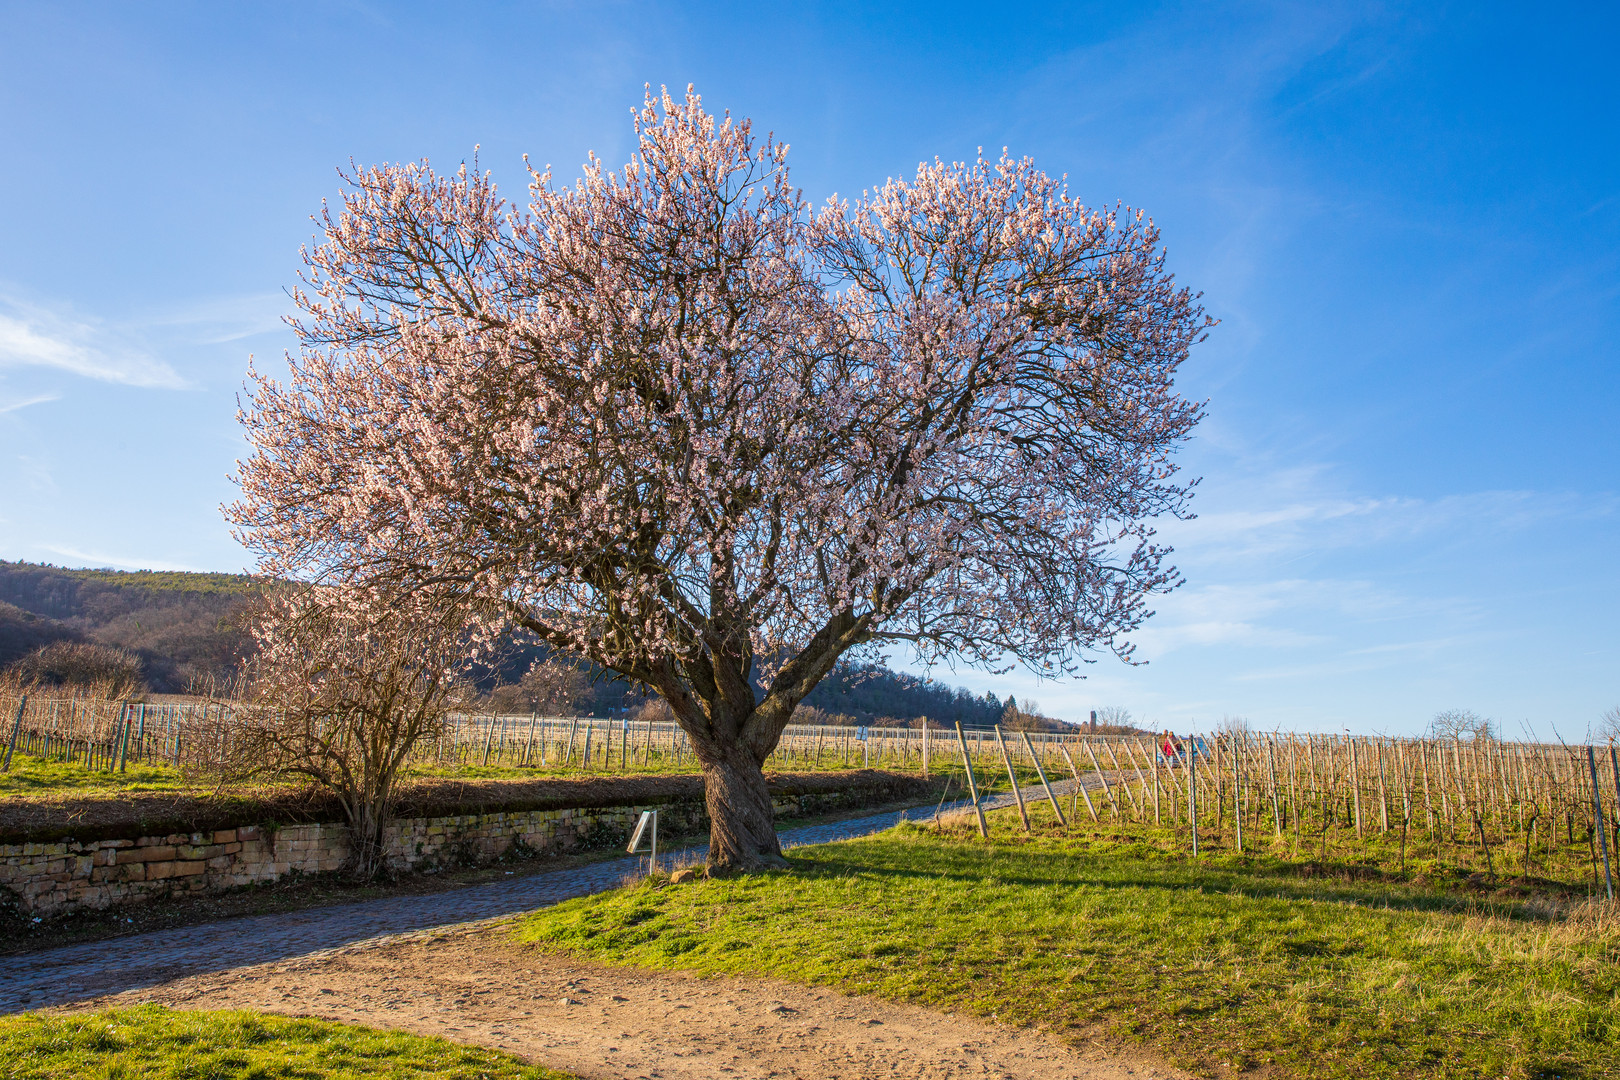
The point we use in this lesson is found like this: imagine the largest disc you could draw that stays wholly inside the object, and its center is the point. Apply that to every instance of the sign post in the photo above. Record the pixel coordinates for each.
(643, 831)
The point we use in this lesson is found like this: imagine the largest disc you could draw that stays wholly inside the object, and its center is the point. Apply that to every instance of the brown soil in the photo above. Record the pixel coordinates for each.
(598, 1022)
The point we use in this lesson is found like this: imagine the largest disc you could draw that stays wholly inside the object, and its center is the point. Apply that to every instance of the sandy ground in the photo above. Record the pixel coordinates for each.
(475, 986)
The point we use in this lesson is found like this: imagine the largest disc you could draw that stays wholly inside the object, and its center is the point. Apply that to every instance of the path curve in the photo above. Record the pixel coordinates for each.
(77, 972)
(474, 985)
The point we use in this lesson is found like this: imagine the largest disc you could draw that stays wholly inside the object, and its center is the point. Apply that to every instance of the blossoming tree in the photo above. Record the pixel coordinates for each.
(679, 422)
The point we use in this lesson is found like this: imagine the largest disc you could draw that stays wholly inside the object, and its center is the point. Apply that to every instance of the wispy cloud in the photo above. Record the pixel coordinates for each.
(31, 336)
(226, 319)
(99, 560)
(37, 399)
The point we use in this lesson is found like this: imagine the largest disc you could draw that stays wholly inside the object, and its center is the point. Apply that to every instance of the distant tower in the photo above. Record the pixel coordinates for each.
(1094, 721)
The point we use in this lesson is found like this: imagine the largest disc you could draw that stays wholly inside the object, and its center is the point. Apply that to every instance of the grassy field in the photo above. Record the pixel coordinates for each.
(155, 1043)
(1229, 962)
(37, 776)
(30, 775)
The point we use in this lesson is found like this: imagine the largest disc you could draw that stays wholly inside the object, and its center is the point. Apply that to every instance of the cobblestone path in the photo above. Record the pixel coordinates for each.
(75, 972)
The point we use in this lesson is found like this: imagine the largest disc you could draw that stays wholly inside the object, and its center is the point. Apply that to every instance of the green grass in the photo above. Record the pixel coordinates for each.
(155, 1043)
(30, 775)
(1227, 962)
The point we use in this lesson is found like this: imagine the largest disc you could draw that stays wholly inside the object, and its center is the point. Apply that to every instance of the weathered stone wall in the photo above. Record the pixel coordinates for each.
(54, 878)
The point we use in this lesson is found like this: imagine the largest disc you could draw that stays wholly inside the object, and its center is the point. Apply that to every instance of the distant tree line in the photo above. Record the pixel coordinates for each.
(178, 632)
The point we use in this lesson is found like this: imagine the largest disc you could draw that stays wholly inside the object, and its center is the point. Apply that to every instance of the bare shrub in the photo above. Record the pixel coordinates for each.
(657, 709)
(346, 683)
(552, 687)
(98, 671)
(1462, 724)
(1608, 726)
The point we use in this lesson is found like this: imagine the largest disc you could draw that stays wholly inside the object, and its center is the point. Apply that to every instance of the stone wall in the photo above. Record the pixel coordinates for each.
(45, 879)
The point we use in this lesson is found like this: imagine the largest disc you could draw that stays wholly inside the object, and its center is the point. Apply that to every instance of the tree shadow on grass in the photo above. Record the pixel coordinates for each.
(1281, 883)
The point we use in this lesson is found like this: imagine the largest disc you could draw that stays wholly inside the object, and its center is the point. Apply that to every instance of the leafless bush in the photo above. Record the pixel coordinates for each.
(97, 671)
(552, 687)
(1608, 726)
(656, 709)
(1462, 724)
(345, 684)
(1113, 716)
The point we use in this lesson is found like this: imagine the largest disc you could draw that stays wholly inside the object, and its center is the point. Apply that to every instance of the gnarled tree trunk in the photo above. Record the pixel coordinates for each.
(742, 823)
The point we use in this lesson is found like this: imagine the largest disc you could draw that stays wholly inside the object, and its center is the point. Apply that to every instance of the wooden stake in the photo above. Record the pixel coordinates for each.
(16, 726)
(973, 788)
(1104, 779)
(1018, 796)
(1056, 809)
(1192, 791)
(1079, 784)
(1597, 816)
(1237, 794)
(1355, 785)
(1271, 768)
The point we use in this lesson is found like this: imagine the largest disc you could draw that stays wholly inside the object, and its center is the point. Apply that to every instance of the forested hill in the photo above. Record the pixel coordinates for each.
(181, 627)
(871, 694)
(179, 624)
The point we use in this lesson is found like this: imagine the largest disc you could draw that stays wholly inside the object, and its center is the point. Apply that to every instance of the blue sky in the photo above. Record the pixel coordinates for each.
(1407, 219)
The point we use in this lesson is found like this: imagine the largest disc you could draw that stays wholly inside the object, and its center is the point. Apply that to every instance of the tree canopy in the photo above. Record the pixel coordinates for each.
(678, 421)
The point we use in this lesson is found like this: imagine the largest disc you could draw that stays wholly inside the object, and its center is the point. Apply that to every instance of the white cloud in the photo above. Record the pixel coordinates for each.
(122, 562)
(37, 399)
(227, 319)
(31, 337)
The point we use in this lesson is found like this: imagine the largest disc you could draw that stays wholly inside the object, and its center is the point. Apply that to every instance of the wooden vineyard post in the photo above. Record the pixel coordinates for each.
(123, 742)
(1383, 792)
(1355, 784)
(1271, 770)
(489, 740)
(1597, 811)
(973, 788)
(528, 743)
(1614, 770)
(1192, 791)
(16, 726)
(1155, 760)
(1079, 785)
(1056, 809)
(585, 753)
(925, 746)
(1018, 796)
(1126, 784)
(1106, 790)
(1237, 794)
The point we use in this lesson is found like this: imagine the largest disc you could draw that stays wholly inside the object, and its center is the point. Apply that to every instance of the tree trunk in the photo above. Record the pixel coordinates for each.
(742, 824)
(367, 860)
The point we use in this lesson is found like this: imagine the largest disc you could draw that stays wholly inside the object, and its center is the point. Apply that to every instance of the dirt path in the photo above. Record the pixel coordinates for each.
(74, 972)
(476, 986)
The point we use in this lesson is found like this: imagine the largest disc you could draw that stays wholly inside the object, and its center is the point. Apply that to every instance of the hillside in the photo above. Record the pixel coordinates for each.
(181, 626)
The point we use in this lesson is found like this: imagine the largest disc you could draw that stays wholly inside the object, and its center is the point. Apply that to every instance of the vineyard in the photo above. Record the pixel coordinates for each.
(1504, 809)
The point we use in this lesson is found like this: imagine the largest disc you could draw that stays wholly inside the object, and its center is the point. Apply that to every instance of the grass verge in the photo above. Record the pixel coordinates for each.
(34, 776)
(155, 1043)
(21, 934)
(1246, 962)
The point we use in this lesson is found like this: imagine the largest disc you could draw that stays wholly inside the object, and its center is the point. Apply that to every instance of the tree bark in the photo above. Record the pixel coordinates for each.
(742, 824)
(366, 850)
